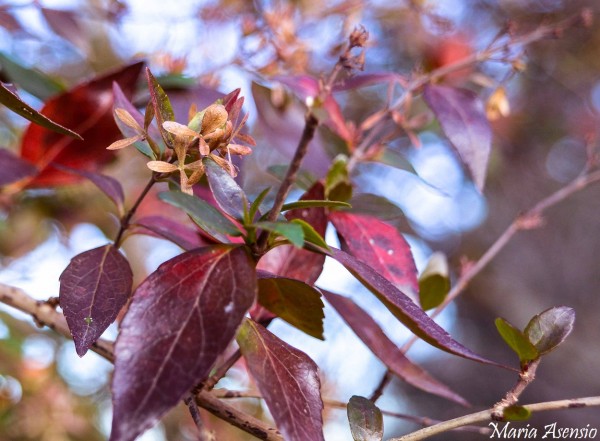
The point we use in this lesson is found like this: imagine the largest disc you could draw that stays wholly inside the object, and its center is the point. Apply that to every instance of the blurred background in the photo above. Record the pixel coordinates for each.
(197, 47)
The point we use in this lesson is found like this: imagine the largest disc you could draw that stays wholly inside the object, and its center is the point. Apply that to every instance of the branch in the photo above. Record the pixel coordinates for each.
(528, 220)
(45, 315)
(310, 126)
(486, 416)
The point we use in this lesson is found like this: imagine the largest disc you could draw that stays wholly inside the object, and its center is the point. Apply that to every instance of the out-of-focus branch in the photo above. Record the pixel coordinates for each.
(44, 314)
(486, 416)
(532, 218)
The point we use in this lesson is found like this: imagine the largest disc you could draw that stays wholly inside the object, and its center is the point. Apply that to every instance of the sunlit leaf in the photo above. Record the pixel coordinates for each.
(550, 328)
(366, 420)
(287, 379)
(434, 282)
(383, 348)
(180, 320)
(462, 117)
(517, 340)
(294, 301)
(93, 288)
(379, 245)
(93, 120)
(405, 310)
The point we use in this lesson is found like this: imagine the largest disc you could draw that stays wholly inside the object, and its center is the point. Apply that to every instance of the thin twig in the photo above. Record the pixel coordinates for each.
(127, 218)
(526, 377)
(527, 220)
(311, 123)
(45, 315)
(486, 416)
(190, 402)
(221, 371)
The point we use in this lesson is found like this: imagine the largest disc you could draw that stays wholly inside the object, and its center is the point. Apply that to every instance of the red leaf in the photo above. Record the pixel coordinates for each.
(8, 21)
(371, 334)
(287, 379)
(181, 318)
(14, 168)
(379, 245)
(405, 310)
(293, 262)
(92, 119)
(462, 117)
(186, 238)
(93, 289)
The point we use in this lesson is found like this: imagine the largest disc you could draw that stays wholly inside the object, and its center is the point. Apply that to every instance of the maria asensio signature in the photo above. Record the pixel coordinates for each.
(550, 431)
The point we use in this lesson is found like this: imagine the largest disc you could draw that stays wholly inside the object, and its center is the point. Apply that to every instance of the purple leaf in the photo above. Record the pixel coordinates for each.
(550, 328)
(287, 379)
(109, 186)
(228, 194)
(462, 117)
(67, 25)
(93, 289)
(181, 318)
(369, 79)
(379, 245)
(366, 420)
(293, 262)
(185, 237)
(404, 309)
(371, 334)
(14, 168)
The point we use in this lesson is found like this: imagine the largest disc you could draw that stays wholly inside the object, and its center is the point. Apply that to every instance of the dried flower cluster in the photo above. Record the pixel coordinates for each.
(214, 131)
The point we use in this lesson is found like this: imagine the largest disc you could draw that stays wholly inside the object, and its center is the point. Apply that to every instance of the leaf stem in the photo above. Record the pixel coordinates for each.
(126, 219)
(45, 315)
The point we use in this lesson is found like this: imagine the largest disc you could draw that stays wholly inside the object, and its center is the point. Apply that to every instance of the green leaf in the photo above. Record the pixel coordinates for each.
(366, 420)
(434, 283)
(550, 328)
(203, 214)
(310, 204)
(337, 184)
(304, 179)
(32, 80)
(294, 301)
(517, 340)
(291, 231)
(256, 204)
(516, 413)
(163, 111)
(176, 81)
(310, 234)
(14, 103)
